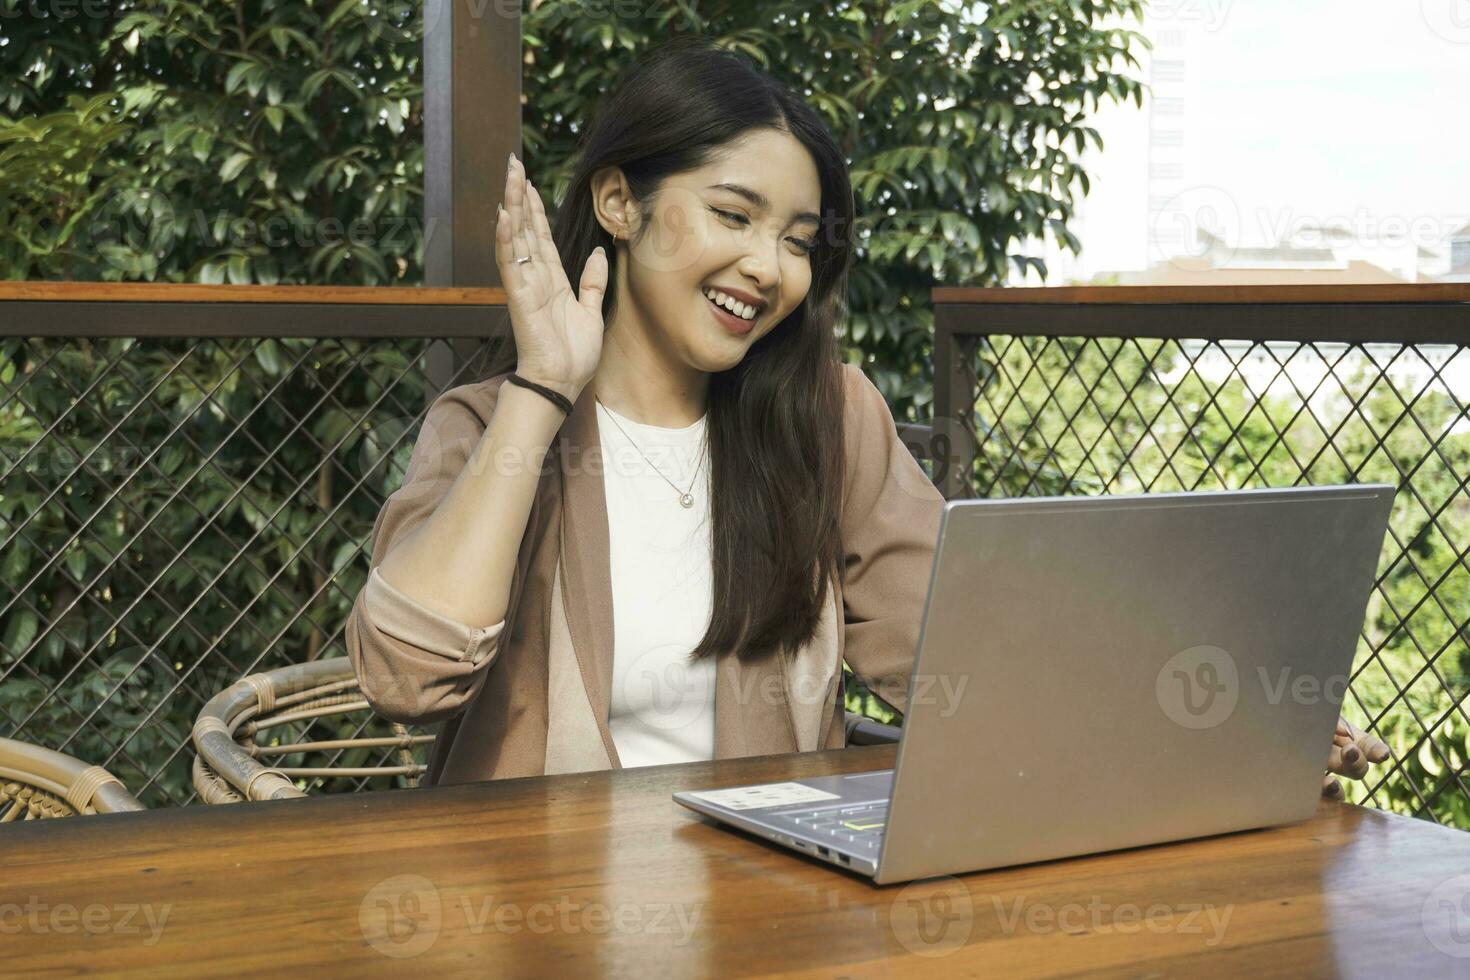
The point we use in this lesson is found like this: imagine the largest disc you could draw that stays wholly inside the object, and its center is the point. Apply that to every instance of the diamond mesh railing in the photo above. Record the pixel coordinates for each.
(1254, 394)
(187, 490)
(179, 511)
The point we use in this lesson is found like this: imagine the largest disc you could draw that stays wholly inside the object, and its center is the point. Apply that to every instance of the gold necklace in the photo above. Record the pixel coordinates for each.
(686, 499)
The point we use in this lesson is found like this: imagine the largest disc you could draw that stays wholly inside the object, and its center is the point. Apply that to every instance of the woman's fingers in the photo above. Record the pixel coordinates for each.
(510, 273)
(1331, 788)
(504, 235)
(511, 276)
(1347, 760)
(543, 243)
(1372, 747)
(1354, 750)
(517, 195)
(594, 281)
(540, 286)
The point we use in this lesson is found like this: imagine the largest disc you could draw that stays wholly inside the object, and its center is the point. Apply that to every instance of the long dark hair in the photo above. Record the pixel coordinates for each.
(775, 419)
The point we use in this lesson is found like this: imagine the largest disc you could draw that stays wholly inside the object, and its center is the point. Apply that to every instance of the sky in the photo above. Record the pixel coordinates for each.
(1345, 111)
(1339, 105)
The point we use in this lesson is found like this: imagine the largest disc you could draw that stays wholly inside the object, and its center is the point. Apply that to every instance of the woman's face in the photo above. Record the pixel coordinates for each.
(741, 226)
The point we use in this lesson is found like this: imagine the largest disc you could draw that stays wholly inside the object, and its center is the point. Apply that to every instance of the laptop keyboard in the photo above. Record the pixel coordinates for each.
(861, 824)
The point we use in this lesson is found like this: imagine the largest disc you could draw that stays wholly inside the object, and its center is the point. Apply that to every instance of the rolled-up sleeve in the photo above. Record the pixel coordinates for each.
(413, 663)
(890, 522)
(411, 622)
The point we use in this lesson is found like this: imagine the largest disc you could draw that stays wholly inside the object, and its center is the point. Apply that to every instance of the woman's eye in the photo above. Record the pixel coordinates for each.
(730, 214)
(807, 248)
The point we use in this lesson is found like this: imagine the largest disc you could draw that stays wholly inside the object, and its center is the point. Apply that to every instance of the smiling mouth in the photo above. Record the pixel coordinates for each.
(733, 323)
(756, 309)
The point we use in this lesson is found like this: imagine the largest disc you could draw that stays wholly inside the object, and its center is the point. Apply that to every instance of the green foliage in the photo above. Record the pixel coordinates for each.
(858, 698)
(272, 141)
(57, 174)
(178, 140)
(280, 141)
(960, 125)
(199, 512)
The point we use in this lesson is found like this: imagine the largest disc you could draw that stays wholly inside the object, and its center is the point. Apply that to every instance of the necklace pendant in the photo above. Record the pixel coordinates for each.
(687, 501)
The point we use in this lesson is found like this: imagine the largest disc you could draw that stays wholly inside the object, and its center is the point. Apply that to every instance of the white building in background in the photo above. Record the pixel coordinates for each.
(1151, 218)
(1459, 257)
(1146, 168)
(1214, 260)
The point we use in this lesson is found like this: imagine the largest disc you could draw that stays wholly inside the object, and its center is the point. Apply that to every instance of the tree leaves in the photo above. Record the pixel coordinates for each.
(249, 73)
(946, 113)
(233, 164)
(184, 143)
(215, 115)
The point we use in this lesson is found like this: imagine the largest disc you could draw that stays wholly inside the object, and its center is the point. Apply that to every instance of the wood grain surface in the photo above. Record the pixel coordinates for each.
(1446, 292)
(413, 295)
(184, 292)
(603, 875)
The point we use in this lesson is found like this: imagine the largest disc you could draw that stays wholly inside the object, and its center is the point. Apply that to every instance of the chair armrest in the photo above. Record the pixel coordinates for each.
(862, 730)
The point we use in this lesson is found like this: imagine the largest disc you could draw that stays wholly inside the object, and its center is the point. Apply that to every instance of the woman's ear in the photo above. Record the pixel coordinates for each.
(612, 202)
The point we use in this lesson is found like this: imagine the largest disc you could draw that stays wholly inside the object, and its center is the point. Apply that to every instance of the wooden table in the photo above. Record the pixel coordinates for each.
(603, 874)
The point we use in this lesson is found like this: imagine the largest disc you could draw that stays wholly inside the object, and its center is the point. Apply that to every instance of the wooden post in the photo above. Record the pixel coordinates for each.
(472, 122)
(953, 403)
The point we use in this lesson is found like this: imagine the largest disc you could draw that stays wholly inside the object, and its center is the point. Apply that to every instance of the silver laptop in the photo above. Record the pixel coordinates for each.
(1097, 673)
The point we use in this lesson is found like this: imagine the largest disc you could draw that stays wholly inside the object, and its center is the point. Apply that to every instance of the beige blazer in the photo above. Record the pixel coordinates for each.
(529, 695)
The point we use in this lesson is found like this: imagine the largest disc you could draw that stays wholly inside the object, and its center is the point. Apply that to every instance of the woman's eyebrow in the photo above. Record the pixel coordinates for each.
(759, 200)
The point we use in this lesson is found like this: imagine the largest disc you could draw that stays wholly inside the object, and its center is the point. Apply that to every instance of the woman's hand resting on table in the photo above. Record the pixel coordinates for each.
(1353, 750)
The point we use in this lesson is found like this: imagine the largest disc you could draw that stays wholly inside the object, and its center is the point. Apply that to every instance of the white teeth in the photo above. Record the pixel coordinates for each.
(743, 310)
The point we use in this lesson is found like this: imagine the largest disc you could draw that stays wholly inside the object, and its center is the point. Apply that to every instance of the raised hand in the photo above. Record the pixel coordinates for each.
(558, 334)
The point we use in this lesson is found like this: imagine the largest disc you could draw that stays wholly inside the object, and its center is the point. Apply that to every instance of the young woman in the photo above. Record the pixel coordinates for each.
(660, 536)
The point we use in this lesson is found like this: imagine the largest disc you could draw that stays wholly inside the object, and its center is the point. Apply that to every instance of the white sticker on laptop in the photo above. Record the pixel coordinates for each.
(769, 794)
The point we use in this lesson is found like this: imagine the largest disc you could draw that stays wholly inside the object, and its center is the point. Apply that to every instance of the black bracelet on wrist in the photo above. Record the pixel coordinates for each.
(557, 398)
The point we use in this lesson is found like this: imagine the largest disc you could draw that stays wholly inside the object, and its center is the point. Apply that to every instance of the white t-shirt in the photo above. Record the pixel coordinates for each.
(663, 705)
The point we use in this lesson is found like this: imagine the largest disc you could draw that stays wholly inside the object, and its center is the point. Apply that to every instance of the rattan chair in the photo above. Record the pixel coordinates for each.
(862, 730)
(231, 764)
(38, 784)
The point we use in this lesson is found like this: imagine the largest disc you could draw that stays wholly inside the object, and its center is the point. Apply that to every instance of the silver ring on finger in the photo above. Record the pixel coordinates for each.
(523, 260)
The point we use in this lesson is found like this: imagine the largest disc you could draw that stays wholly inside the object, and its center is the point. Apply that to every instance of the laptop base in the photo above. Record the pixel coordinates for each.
(834, 821)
